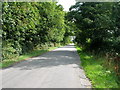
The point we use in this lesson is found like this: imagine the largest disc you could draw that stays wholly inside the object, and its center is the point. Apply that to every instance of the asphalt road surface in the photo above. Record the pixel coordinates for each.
(59, 68)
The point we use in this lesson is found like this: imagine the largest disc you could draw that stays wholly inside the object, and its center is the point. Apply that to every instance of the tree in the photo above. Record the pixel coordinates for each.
(97, 24)
(30, 25)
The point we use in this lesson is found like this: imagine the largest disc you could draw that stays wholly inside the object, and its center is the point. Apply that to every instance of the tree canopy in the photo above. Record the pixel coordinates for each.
(29, 25)
(98, 23)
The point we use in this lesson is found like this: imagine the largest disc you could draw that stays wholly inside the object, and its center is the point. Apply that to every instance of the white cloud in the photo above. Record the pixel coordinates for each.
(66, 4)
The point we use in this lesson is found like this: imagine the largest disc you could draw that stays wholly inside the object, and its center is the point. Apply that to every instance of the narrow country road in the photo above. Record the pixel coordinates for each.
(59, 68)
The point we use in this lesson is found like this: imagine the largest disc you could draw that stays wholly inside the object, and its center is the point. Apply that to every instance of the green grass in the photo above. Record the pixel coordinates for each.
(7, 63)
(96, 70)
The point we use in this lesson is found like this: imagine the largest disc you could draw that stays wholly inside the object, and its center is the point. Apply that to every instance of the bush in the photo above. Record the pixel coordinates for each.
(8, 52)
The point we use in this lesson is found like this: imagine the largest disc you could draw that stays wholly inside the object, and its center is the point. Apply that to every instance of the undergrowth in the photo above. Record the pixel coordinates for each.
(96, 69)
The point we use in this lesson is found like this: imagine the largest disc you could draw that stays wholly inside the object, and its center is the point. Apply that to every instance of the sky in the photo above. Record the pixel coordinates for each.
(66, 4)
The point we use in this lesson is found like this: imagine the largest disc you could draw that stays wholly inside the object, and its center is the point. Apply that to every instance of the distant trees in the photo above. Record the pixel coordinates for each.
(29, 25)
(98, 23)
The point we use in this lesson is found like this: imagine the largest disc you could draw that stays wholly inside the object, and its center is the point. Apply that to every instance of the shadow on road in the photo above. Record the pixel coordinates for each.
(62, 56)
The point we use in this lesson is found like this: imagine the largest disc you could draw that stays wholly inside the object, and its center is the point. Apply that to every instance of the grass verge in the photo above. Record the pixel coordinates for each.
(96, 70)
(7, 63)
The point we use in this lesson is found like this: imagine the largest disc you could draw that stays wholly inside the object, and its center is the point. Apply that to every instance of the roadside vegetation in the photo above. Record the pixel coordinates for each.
(98, 70)
(98, 33)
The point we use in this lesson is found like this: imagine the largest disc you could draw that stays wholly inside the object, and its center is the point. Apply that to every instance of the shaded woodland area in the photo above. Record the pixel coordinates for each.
(98, 25)
(98, 31)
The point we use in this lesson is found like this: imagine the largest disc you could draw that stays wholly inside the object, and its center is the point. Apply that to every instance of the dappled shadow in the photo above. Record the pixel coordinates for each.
(51, 69)
(60, 56)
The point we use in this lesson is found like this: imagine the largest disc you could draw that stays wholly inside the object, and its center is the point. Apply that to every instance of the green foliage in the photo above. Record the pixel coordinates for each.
(97, 70)
(99, 34)
(99, 28)
(31, 25)
(98, 23)
(9, 52)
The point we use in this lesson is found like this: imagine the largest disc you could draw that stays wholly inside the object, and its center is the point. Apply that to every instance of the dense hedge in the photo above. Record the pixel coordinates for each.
(31, 25)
